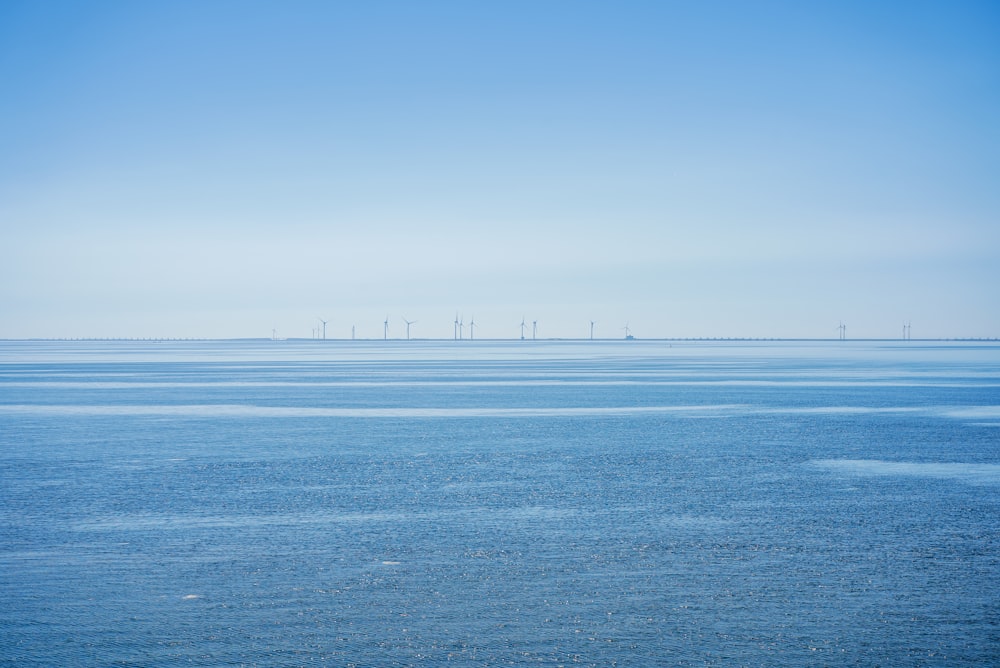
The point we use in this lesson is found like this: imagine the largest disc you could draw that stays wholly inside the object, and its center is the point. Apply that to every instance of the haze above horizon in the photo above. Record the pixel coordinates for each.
(763, 170)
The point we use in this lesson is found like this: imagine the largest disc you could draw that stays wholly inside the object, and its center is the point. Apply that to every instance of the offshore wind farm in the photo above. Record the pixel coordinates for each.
(625, 333)
(587, 332)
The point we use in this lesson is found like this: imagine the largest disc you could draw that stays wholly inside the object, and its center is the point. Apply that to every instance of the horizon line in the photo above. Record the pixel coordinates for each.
(473, 341)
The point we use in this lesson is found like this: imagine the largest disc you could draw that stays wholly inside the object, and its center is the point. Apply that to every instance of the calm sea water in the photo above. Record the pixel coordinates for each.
(499, 503)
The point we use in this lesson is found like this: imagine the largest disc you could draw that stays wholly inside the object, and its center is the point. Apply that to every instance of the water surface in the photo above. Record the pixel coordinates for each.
(499, 503)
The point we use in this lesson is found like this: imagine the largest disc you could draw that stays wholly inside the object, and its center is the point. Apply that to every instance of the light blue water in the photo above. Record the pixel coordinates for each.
(499, 503)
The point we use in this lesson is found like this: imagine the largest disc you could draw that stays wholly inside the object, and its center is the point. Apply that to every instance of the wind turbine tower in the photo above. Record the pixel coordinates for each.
(591, 330)
(522, 328)
(408, 323)
(324, 327)
(534, 329)
(385, 329)
(456, 327)
(472, 328)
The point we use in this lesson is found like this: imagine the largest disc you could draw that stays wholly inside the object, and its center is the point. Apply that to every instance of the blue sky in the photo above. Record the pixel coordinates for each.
(767, 169)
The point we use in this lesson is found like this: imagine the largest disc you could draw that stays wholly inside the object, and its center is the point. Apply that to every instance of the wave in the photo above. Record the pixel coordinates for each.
(972, 473)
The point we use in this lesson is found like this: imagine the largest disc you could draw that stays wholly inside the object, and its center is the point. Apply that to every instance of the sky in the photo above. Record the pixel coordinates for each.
(218, 169)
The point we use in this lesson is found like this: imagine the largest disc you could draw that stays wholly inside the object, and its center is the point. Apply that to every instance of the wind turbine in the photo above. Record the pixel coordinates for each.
(456, 326)
(408, 323)
(461, 327)
(591, 330)
(522, 328)
(385, 328)
(534, 329)
(472, 328)
(628, 332)
(324, 327)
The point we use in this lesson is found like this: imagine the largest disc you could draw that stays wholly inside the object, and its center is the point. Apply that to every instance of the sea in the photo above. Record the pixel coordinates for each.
(499, 503)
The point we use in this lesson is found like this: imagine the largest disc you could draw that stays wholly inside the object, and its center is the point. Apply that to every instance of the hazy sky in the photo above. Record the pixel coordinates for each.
(223, 169)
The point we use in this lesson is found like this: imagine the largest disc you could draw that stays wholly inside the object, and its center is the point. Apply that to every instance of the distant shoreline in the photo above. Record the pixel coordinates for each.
(705, 339)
